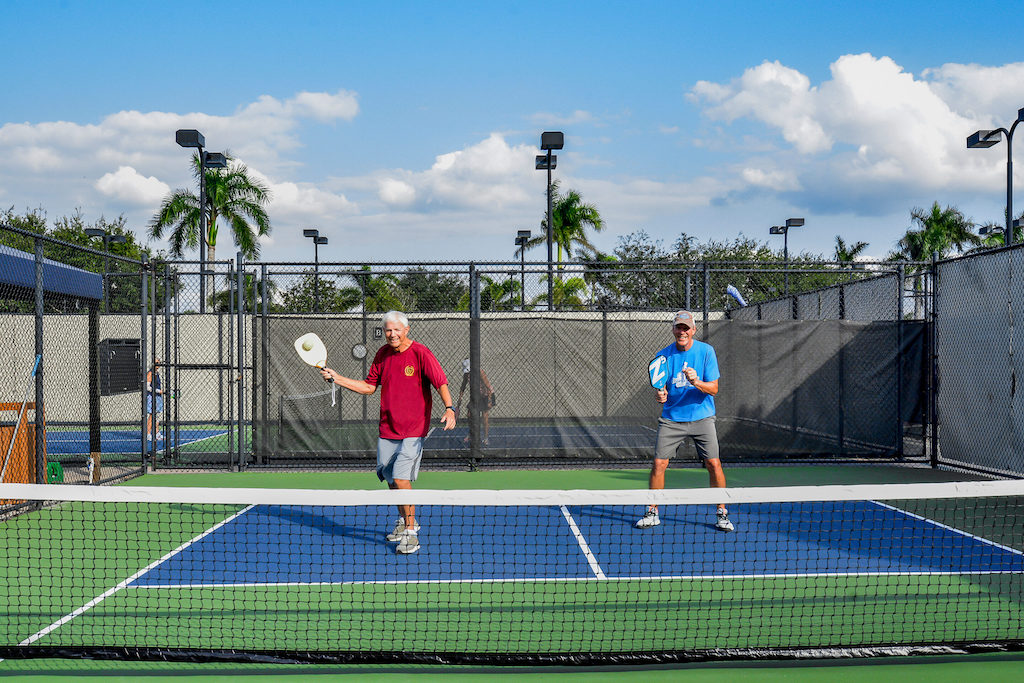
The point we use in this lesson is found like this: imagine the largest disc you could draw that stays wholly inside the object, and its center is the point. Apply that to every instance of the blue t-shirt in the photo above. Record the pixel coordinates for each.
(687, 403)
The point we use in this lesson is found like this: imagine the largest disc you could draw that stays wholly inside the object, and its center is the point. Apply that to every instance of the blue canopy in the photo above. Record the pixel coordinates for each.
(18, 269)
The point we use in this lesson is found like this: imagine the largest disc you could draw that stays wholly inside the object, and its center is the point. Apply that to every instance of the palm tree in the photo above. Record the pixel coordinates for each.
(383, 293)
(940, 232)
(220, 302)
(230, 194)
(848, 253)
(495, 295)
(566, 293)
(571, 219)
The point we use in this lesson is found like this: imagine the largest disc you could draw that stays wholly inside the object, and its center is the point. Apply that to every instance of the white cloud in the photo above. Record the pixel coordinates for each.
(129, 185)
(549, 119)
(871, 134)
(489, 174)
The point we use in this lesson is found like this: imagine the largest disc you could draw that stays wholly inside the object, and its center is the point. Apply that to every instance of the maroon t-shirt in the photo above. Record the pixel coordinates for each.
(405, 379)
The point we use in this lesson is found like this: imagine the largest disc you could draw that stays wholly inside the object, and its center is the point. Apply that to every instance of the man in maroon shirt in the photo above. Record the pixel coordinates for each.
(405, 371)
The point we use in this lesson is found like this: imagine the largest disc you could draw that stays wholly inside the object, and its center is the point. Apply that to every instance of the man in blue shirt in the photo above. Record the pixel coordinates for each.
(688, 412)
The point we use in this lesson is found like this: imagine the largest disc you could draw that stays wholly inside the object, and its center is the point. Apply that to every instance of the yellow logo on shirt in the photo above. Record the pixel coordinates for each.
(409, 371)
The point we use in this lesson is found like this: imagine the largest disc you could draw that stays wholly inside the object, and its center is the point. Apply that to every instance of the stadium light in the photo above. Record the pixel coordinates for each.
(190, 138)
(522, 237)
(107, 239)
(784, 231)
(317, 241)
(983, 139)
(547, 162)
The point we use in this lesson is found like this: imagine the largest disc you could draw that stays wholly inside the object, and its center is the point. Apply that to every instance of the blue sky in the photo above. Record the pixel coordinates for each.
(407, 130)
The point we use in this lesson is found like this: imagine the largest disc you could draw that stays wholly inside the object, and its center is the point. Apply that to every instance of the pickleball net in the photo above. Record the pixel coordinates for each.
(510, 577)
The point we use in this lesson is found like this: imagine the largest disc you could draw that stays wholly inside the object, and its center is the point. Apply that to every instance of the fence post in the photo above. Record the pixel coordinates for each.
(40, 404)
(264, 370)
(144, 360)
(706, 308)
(933, 369)
(474, 364)
(241, 362)
(900, 452)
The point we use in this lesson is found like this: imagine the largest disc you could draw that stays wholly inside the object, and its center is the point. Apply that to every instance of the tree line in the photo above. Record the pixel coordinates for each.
(237, 200)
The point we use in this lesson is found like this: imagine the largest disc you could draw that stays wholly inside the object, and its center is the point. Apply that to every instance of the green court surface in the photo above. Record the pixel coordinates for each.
(80, 552)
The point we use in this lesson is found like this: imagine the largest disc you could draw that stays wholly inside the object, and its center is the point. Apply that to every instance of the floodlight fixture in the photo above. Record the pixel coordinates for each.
(319, 240)
(982, 139)
(794, 222)
(546, 162)
(309, 232)
(314, 234)
(777, 230)
(190, 138)
(216, 160)
(552, 140)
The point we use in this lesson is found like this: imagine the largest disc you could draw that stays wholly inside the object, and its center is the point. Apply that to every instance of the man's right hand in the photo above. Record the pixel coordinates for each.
(327, 374)
(662, 394)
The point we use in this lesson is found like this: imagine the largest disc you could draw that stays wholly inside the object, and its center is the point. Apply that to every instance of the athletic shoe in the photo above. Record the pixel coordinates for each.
(396, 533)
(723, 522)
(159, 436)
(649, 519)
(410, 543)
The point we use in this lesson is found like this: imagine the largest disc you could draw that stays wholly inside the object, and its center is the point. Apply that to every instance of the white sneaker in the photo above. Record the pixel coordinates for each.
(396, 533)
(723, 522)
(410, 543)
(159, 436)
(650, 519)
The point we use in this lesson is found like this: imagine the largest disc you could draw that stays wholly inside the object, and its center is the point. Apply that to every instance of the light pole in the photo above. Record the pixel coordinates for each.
(190, 138)
(522, 237)
(317, 241)
(784, 231)
(982, 139)
(107, 239)
(550, 141)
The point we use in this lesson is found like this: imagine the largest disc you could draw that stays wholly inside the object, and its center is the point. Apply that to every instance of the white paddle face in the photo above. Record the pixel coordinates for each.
(311, 350)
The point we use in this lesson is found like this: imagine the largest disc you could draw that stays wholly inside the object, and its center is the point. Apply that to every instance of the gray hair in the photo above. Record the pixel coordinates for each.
(395, 317)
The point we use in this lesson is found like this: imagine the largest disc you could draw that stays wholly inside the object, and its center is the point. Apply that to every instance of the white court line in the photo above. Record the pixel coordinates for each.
(948, 528)
(565, 579)
(106, 594)
(591, 560)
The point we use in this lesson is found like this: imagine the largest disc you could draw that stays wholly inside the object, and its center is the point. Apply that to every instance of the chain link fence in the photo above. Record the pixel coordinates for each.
(821, 362)
(838, 376)
(71, 406)
(980, 412)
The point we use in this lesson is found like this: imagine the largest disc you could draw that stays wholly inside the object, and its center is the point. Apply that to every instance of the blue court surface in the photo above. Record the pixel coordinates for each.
(117, 441)
(275, 545)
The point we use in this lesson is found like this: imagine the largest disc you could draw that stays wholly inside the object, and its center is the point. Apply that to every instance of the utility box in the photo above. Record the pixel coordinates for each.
(120, 366)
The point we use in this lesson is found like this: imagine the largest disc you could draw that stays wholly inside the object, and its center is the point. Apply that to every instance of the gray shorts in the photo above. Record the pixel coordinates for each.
(399, 458)
(671, 436)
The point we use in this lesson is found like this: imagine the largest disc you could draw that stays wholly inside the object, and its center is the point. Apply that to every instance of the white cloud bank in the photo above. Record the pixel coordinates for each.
(871, 135)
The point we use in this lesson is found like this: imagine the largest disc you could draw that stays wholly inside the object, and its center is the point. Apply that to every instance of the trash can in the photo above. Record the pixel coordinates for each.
(54, 473)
